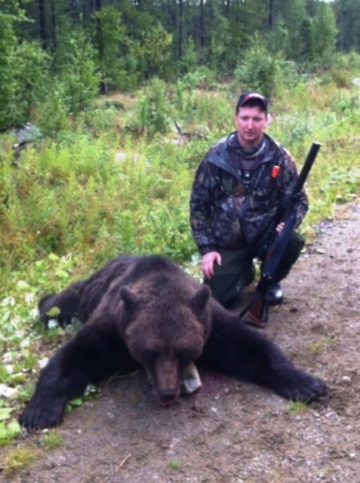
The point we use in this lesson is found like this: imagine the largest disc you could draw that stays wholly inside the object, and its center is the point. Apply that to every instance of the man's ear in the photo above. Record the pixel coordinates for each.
(268, 120)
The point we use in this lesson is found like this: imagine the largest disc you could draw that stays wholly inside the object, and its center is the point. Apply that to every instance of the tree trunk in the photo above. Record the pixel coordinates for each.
(271, 14)
(53, 24)
(181, 29)
(202, 24)
(42, 24)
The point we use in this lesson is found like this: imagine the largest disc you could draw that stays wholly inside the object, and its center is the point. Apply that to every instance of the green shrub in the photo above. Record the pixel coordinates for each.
(153, 112)
(201, 77)
(52, 115)
(23, 75)
(257, 70)
(77, 70)
(340, 76)
(31, 77)
(99, 121)
(110, 40)
(8, 42)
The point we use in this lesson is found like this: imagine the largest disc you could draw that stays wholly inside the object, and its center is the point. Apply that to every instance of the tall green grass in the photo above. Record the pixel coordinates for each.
(79, 195)
(329, 115)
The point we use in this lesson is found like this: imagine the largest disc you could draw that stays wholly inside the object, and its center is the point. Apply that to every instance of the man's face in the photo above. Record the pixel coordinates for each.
(250, 123)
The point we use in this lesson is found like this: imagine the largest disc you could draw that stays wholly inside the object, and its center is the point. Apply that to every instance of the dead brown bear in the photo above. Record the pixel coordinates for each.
(147, 311)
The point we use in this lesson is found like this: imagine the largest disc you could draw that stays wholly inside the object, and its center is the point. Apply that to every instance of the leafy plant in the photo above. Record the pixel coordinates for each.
(8, 430)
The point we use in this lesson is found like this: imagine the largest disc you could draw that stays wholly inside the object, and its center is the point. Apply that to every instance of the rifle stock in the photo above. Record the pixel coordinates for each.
(256, 311)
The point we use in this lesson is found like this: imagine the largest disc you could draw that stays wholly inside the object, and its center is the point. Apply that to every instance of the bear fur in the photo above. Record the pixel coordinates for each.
(146, 311)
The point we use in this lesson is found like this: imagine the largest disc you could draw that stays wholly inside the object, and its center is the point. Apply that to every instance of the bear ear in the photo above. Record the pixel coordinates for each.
(130, 299)
(200, 299)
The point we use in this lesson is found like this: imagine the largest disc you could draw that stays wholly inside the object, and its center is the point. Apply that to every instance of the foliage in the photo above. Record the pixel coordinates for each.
(119, 46)
(76, 70)
(258, 69)
(152, 113)
(7, 77)
(152, 51)
(9, 430)
(22, 74)
(220, 43)
(31, 76)
(342, 69)
(110, 40)
(324, 33)
(190, 58)
(52, 115)
(347, 14)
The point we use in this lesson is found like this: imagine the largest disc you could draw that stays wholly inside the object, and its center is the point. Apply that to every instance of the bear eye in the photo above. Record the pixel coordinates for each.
(149, 356)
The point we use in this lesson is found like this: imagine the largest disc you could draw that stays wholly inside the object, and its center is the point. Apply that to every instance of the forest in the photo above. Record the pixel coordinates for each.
(82, 48)
(106, 109)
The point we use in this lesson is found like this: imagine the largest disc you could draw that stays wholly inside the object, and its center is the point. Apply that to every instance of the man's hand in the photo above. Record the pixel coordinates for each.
(208, 264)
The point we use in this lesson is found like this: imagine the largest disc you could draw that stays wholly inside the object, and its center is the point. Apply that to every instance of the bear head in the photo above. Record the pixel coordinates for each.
(164, 331)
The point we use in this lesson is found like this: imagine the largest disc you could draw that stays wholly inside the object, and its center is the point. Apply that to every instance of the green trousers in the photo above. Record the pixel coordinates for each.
(237, 269)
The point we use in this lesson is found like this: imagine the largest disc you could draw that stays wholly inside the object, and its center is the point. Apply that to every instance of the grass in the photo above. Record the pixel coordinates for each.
(322, 345)
(17, 460)
(298, 407)
(51, 440)
(174, 466)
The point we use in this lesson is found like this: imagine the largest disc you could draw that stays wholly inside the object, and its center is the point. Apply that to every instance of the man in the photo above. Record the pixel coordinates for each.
(237, 190)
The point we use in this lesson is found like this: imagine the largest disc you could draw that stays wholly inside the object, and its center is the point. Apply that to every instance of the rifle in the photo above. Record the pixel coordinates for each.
(257, 310)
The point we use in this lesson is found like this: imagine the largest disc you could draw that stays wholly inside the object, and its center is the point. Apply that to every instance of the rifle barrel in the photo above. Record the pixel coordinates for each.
(314, 149)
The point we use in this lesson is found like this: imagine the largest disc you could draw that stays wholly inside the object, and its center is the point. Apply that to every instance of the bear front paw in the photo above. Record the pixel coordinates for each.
(40, 417)
(304, 388)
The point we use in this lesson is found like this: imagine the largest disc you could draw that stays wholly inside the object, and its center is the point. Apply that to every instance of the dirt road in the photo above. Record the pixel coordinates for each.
(232, 431)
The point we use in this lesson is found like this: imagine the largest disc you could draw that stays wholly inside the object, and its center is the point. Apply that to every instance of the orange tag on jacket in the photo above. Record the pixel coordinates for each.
(275, 171)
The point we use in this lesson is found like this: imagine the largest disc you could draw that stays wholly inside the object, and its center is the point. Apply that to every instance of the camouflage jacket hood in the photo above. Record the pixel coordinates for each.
(235, 197)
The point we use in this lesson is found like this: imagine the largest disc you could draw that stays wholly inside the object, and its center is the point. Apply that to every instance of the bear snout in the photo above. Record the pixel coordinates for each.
(167, 379)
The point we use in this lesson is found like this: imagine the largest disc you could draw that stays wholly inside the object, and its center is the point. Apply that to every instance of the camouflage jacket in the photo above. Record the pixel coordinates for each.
(235, 196)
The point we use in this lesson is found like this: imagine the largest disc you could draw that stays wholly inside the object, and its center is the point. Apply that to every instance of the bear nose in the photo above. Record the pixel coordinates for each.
(167, 397)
